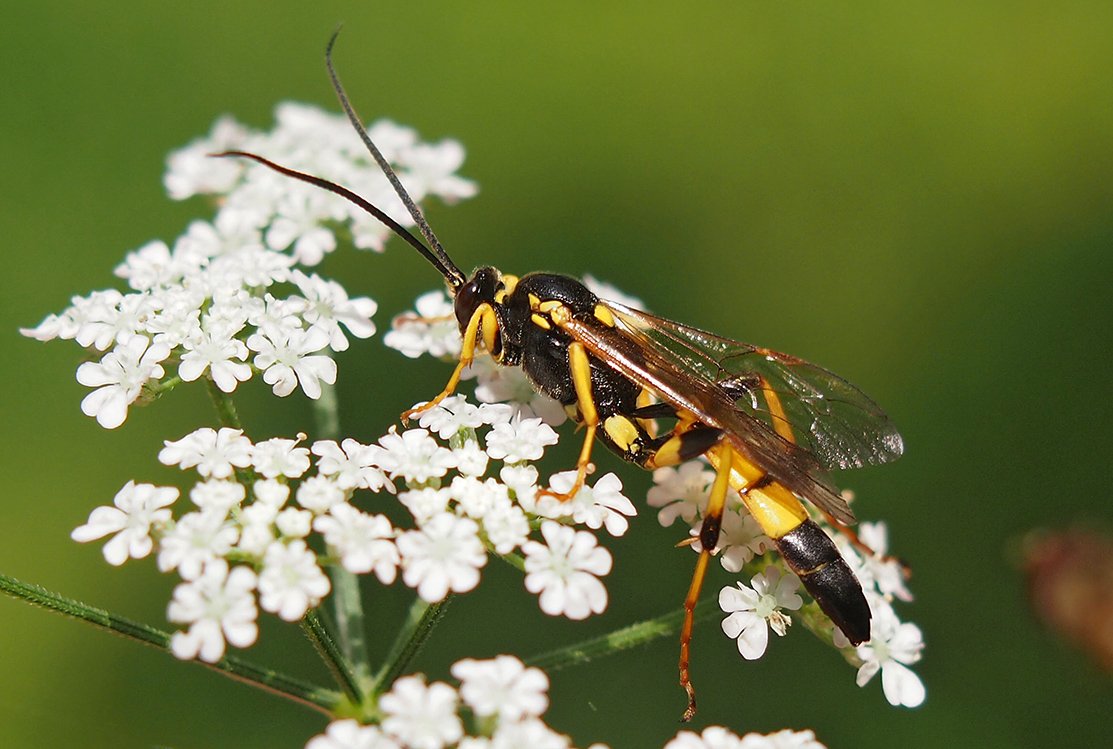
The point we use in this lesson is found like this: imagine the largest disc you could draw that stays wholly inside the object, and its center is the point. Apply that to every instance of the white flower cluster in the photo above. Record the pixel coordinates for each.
(755, 609)
(717, 737)
(256, 505)
(227, 299)
(497, 704)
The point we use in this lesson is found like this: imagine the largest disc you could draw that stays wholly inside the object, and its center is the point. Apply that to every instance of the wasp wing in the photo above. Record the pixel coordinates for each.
(838, 423)
(678, 381)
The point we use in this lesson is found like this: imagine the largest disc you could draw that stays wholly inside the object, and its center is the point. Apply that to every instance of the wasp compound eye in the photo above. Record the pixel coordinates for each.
(481, 288)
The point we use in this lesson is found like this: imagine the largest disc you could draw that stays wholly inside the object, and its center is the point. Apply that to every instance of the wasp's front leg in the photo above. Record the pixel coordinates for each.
(483, 323)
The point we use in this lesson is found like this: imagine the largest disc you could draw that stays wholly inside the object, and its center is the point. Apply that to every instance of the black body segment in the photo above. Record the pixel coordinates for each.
(828, 578)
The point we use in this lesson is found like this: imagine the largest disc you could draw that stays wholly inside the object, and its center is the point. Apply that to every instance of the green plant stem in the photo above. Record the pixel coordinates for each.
(309, 695)
(420, 622)
(619, 640)
(347, 601)
(336, 660)
(330, 653)
(225, 407)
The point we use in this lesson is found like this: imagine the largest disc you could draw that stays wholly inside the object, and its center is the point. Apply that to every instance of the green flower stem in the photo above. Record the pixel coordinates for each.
(330, 653)
(225, 408)
(420, 622)
(229, 417)
(309, 695)
(347, 602)
(619, 640)
(514, 560)
(336, 661)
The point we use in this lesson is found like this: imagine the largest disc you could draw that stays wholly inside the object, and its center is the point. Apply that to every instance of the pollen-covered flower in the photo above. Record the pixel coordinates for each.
(137, 508)
(753, 611)
(565, 571)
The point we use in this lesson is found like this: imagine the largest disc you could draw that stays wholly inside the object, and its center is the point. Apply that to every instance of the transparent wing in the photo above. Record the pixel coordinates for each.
(637, 357)
(835, 421)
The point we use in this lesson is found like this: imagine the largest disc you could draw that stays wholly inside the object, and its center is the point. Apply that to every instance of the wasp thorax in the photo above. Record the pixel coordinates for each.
(480, 288)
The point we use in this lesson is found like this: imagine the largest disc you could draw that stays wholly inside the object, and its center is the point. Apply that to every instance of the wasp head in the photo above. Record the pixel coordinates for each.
(479, 289)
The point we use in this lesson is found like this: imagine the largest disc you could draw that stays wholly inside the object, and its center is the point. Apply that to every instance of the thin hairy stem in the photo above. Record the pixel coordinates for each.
(626, 638)
(296, 690)
(331, 654)
(347, 600)
(420, 622)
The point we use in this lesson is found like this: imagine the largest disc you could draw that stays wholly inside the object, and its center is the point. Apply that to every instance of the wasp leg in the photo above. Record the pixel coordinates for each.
(484, 322)
(683, 446)
(708, 538)
(580, 367)
(407, 318)
(805, 548)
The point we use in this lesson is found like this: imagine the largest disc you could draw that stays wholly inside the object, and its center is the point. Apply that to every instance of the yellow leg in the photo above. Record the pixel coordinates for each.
(580, 367)
(709, 537)
(484, 316)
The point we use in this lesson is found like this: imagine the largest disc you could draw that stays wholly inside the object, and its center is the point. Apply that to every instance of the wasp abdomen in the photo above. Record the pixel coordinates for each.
(814, 557)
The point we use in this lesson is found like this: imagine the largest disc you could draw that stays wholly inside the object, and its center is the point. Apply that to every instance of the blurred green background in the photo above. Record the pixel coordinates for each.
(917, 196)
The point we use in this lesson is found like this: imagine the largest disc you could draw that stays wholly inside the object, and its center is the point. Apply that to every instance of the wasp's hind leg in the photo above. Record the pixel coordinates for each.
(709, 539)
(483, 323)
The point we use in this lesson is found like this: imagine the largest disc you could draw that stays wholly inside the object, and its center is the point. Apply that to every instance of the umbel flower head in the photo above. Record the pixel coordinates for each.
(261, 521)
(235, 296)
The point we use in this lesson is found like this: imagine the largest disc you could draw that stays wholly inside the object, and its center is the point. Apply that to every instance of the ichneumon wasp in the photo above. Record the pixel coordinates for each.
(770, 424)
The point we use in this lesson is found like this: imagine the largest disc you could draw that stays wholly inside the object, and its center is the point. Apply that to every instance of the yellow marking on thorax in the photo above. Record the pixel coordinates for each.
(541, 321)
(534, 302)
(603, 314)
(622, 431)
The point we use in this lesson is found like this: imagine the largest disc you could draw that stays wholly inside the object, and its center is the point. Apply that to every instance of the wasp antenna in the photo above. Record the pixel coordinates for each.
(451, 274)
(454, 275)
